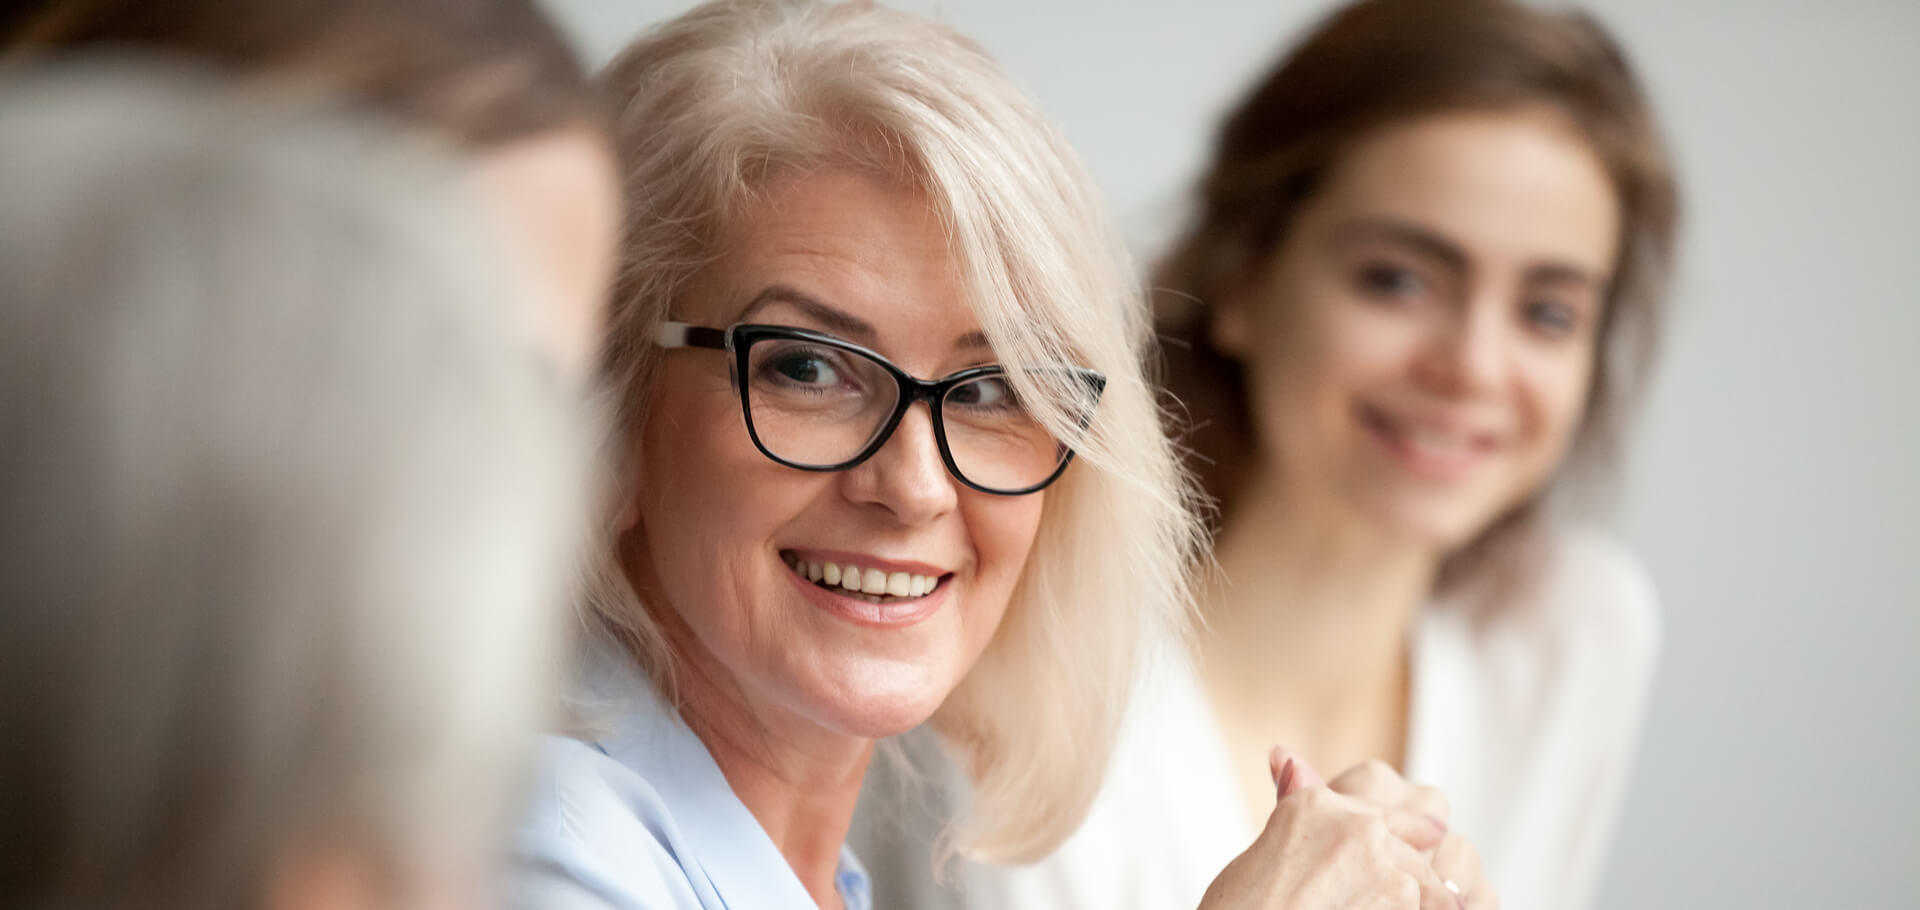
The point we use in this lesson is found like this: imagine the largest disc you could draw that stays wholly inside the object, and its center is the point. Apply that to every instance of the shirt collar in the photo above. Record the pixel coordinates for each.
(730, 847)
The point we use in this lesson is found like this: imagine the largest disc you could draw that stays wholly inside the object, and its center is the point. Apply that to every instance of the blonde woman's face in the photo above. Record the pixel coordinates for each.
(1420, 351)
(726, 539)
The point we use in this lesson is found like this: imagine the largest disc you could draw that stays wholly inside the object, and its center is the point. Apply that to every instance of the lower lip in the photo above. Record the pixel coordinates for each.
(1443, 468)
(896, 615)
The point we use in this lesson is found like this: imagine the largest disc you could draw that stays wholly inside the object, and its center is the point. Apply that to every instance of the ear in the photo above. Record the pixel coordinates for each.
(1230, 325)
(627, 516)
(626, 489)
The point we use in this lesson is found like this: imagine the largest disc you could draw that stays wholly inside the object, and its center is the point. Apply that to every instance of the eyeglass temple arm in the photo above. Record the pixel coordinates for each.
(683, 335)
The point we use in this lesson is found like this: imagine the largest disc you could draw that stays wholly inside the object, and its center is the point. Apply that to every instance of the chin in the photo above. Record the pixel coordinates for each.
(1437, 524)
(880, 697)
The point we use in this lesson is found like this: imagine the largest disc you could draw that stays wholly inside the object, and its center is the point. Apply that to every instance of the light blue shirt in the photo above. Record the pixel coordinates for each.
(642, 819)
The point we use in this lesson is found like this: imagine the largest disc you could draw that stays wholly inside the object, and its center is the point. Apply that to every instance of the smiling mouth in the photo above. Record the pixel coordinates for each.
(1443, 454)
(873, 585)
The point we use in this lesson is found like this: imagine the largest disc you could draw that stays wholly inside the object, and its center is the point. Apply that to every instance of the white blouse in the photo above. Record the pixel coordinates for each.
(1525, 715)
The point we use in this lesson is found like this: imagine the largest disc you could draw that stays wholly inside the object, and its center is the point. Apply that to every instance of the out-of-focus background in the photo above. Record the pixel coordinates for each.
(1774, 488)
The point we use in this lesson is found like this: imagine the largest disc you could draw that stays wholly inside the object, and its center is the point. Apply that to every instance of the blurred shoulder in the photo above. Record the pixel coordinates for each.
(1603, 589)
(1588, 596)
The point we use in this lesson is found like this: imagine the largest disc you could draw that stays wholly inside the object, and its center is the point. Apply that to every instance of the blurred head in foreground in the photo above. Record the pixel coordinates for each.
(492, 78)
(289, 508)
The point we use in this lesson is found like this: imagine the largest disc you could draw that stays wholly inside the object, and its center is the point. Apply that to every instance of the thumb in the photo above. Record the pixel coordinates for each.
(1291, 773)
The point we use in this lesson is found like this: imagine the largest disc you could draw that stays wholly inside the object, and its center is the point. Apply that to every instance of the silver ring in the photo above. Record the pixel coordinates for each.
(1452, 887)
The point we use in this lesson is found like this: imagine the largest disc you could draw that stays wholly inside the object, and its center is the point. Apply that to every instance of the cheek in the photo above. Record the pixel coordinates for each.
(1354, 348)
(1557, 386)
(707, 501)
(1002, 530)
(1314, 366)
(687, 449)
(575, 268)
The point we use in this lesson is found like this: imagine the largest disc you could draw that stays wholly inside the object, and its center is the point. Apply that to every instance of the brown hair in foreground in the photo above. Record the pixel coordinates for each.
(484, 72)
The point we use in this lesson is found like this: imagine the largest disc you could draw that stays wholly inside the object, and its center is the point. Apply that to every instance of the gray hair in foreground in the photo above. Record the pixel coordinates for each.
(289, 512)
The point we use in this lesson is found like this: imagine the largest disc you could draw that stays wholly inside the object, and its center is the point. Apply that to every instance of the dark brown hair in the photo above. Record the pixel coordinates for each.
(481, 72)
(1380, 62)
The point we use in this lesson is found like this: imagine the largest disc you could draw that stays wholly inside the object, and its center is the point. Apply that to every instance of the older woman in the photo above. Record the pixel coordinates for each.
(290, 506)
(890, 458)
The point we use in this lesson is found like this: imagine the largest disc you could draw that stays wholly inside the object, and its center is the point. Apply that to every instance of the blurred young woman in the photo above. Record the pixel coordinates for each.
(1421, 288)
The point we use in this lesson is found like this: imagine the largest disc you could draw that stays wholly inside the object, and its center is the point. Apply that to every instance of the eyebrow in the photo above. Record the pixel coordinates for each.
(1401, 233)
(1562, 273)
(838, 321)
(1452, 255)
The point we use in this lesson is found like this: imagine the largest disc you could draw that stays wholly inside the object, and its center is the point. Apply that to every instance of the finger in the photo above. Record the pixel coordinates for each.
(1456, 860)
(1434, 893)
(1430, 800)
(1374, 781)
(1378, 783)
(1282, 771)
(1303, 776)
(1416, 829)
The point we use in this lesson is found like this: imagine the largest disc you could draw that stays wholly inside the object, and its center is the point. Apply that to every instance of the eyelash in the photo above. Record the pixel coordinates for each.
(1392, 283)
(1551, 317)
(826, 357)
(1384, 281)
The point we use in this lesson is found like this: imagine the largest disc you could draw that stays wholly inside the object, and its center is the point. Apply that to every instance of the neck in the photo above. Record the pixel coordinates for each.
(798, 779)
(1312, 606)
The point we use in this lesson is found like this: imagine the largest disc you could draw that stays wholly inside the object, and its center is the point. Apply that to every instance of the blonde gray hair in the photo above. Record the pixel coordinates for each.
(289, 509)
(716, 105)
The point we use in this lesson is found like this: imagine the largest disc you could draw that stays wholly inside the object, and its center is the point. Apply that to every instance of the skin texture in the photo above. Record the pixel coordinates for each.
(557, 199)
(787, 695)
(1363, 840)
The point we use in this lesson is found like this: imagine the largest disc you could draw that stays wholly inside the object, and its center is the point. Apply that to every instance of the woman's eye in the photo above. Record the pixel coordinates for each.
(1390, 281)
(1551, 317)
(805, 366)
(984, 393)
(805, 369)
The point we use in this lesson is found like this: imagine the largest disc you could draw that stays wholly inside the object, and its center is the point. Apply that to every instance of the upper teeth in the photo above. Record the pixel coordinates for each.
(1434, 441)
(864, 580)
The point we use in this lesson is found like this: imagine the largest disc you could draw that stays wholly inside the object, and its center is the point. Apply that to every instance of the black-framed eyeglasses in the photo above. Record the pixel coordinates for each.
(818, 403)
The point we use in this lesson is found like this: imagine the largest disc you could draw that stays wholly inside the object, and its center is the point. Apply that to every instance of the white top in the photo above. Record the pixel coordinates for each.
(643, 819)
(1525, 715)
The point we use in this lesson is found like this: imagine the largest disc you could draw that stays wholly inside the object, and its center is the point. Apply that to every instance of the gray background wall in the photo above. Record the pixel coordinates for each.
(1775, 488)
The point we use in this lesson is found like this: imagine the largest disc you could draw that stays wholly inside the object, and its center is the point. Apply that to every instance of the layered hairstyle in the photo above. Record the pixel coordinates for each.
(1376, 63)
(291, 511)
(716, 106)
(481, 72)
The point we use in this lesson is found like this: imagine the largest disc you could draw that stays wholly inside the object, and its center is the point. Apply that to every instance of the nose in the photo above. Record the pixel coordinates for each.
(1467, 351)
(906, 477)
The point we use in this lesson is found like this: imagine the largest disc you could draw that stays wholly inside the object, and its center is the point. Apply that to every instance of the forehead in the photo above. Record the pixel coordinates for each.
(874, 248)
(1517, 186)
